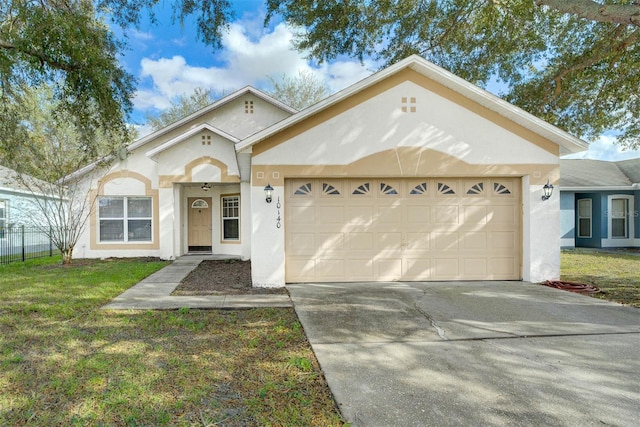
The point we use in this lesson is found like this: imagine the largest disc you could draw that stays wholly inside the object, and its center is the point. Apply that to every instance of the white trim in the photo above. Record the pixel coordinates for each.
(620, 243)
(601, 188)
(568, 142)
(568, 242)
(610, 241)
(204, 126)
(590, 218)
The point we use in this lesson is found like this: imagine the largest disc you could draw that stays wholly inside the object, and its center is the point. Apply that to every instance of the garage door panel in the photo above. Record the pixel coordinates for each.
(475, 215)
(302, 215)
(503, 268)
(504, 240)
(402, 229)
(418, 214)
(475, 267)
(361, 241)
(508, 215)
(361, 269)
(418, 241)
(332, 269)
(447, 214)
(446, 268)
(446, 241)
(331, 214)
(417, 268)
(300, 269)
(330, 242)
(303, 244)
(359, 216)
(389, 241)
(475, 241)
(389, 268)
(390, 215)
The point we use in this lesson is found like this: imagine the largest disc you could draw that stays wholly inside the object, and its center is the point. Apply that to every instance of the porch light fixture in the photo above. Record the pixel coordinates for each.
(547, 191)
(267, 192)
(206, 187)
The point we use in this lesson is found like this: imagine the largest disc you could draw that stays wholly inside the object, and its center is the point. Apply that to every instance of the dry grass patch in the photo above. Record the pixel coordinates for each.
(616, 274)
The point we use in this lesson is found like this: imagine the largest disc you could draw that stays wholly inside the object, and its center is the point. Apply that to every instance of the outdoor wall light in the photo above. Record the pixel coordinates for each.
(267, 192)
(547, 191)
(206, 187)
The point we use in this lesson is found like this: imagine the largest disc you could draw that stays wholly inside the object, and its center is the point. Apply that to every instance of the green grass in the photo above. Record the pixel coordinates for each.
(64, 361)
(617, 275)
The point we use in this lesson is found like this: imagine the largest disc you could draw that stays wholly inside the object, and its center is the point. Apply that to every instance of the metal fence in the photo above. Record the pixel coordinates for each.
(20, 243)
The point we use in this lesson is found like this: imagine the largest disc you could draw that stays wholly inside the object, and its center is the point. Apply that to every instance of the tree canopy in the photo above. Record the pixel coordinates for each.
(298, 91)
(573, 63)
(182, 107)
(64, 44)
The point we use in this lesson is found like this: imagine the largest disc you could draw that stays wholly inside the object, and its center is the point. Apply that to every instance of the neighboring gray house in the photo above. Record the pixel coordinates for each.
(18, 209)
(600, 203)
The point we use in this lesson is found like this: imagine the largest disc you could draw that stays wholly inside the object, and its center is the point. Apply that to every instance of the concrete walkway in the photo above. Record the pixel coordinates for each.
(154, 292)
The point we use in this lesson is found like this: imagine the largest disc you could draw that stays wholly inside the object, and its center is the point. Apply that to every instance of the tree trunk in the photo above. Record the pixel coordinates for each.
(67, 256)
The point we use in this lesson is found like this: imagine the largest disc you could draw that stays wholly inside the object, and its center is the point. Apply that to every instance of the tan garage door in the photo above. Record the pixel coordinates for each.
(402, 229)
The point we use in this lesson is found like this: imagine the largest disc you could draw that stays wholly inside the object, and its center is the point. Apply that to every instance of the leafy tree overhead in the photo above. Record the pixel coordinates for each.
(574, 63)
(62, 43)
(299, 91)
(181, 108)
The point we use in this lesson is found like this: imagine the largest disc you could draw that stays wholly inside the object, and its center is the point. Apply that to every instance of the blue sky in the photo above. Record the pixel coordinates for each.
(168, 61)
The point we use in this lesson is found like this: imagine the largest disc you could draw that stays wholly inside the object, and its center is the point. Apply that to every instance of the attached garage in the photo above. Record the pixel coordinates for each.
(402, 229)
(412, 174)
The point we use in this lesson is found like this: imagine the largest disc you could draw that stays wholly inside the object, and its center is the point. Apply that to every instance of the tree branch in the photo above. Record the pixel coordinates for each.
(42, 57)
(626, 14)
(593, 58)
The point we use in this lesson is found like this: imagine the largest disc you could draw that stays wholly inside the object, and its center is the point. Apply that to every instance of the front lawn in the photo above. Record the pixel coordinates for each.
(64, 361)
(616, 274)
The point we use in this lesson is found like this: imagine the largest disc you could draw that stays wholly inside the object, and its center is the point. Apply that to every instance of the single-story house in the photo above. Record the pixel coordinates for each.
(410, 174)
(600, 203)
(18, 205)
(20, 215)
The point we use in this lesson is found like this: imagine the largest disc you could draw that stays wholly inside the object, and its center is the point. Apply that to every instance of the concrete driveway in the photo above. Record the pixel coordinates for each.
(473, 354)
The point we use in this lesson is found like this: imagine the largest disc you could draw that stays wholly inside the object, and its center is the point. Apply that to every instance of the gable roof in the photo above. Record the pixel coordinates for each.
(588, 174)
(567, 143)
(204, 126)
(217, 104)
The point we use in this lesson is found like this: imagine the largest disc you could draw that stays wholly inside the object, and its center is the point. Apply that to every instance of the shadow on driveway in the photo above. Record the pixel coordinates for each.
(473, 353)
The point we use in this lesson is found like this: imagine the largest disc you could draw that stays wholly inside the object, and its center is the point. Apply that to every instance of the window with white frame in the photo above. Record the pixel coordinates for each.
(619, 217)
(3, 217)
(125, 219)
(584, 218)
(230, 217)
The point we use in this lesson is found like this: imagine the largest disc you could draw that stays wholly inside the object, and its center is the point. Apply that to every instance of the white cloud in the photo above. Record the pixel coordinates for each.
(248, 58)
(605, 148)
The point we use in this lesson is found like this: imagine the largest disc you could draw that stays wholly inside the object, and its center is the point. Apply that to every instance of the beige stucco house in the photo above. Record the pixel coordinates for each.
(410, 174)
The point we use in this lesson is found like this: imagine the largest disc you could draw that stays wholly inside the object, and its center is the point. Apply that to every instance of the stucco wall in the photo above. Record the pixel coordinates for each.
(377, 138)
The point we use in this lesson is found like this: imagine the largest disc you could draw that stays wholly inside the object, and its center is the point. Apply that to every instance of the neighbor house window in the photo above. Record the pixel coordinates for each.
(619, 218)
(230, 217)
(584, 218)
(3, 217)
(125, 219)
